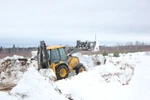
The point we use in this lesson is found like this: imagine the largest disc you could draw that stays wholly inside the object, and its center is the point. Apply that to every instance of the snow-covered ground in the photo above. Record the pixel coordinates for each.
(124, 78)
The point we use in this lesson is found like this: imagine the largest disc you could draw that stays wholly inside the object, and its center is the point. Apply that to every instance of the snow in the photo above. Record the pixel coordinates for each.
(14, 57)
(5, 96)
(34, 86)
(91, 85)
(13, 68)
(34, 54)
(123, 78)
(90, 61)
(49, 73)
(142, 79)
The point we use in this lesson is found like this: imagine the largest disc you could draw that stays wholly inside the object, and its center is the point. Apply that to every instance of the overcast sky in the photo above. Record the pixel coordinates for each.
(26, 22)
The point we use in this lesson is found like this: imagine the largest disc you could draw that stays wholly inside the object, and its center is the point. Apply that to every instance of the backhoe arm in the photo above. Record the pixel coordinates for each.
(42, 56)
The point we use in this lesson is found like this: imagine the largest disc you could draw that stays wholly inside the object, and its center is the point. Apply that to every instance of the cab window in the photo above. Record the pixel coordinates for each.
(49, 54)
(54, 55)
(63, 55)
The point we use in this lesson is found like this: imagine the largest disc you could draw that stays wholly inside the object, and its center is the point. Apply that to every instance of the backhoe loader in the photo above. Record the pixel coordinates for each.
(56, 58)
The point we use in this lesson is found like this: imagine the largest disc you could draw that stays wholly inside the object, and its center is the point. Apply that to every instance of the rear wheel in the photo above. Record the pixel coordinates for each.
(62, 72)
(80, 69)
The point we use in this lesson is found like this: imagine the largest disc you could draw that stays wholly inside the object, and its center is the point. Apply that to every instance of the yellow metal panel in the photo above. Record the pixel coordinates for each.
(73, 62)
(54, 47)
(52, 66)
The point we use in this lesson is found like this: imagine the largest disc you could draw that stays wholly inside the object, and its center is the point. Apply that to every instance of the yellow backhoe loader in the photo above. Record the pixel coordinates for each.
(55, 57)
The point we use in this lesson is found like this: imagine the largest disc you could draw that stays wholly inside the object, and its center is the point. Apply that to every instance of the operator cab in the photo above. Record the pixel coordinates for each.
(56, 54)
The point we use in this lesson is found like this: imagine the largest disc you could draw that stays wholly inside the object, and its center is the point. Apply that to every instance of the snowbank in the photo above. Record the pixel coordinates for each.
(12, 68)
(33, 86)
(90, 61)
(49, 73)
(123, 78)
(34, 54)
(117, 80)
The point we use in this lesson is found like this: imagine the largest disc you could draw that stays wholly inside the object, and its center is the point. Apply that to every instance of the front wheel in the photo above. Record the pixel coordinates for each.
(80, 69)
(62, 72)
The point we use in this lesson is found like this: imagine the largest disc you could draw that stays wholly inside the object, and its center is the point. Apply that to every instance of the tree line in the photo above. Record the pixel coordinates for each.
(10, 51)
(128, 47)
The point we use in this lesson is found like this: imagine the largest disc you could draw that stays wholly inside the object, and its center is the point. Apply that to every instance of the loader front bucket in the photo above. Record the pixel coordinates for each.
(86, 46)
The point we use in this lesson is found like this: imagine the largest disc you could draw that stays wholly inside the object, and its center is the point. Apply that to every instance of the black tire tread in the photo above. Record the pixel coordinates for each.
(78, 68)
(58, 70)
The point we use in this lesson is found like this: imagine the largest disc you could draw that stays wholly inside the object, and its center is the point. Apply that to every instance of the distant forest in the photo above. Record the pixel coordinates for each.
(128, 47)
(23, 51)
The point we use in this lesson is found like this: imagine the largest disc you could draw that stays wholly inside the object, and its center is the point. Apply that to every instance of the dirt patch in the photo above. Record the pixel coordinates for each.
(6, 87)
(12, 69)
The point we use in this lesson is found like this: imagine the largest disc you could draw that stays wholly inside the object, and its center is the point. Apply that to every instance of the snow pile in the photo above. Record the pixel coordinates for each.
(34, 54)
(123, 78)
(33, 86)
(118, 69)
(100, 80)
(12, 68)
(14, 57)
(90, 61)
(48, 73)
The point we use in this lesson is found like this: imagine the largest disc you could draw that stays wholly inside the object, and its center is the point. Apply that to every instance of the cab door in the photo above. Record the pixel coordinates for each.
(55, 57)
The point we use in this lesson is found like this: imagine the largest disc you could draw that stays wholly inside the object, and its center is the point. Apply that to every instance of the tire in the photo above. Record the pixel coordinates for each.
(62, 72)
(80, 69)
